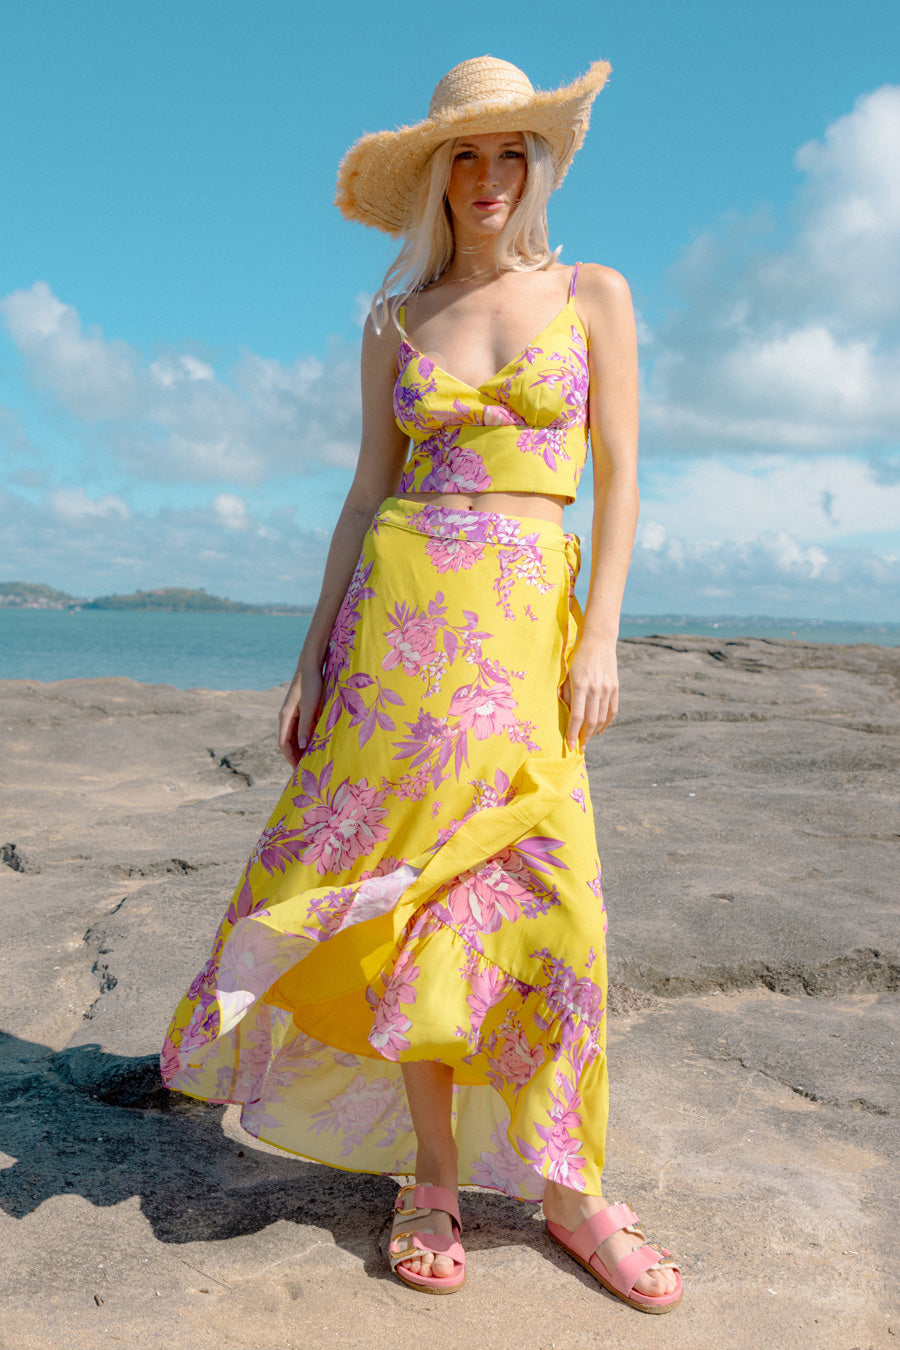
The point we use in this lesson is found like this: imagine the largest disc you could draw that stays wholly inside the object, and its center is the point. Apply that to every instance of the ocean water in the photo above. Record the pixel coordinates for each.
(191, 651)
(257, 651)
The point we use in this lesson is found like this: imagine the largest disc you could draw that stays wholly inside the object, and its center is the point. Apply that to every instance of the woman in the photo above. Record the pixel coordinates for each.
(411, 975)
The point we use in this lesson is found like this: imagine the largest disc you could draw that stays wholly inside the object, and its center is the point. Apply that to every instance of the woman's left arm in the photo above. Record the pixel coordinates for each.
(604, 305)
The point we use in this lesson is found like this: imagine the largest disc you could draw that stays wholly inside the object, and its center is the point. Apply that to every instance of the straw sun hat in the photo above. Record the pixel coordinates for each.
(379, 175)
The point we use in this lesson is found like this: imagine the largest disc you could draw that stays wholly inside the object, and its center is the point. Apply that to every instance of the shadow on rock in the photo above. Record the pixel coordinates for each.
(84, 1122)
(102, 1126)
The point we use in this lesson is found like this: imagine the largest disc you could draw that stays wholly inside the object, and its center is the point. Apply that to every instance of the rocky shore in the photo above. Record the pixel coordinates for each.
(746, 805)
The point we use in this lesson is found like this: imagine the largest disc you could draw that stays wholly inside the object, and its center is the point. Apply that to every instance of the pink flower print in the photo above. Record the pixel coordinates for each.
(561, 1153)
(253, 958)
(480, 901)
(169, 1060)
(595, 884)
(357, 1111)
(453, 468)
(548, 442)
(343, 826)
(577, 795)
(534, 897)
(504, 530)
(203, 1026)
(495, 416)
(501, 1169)
(276, 847)
(520, 734)
(454, 555)
(484, 709)
(408, 396)
(449, 522)
(343, 632)
(576, 375)
(388, 864)
(563, 1150)
(570, 994)
(408, 479)
(489, 795)
(515, 1062)
(203, 980)
(411, 640)
(487, 986)
(390, 1022)
(405, 353)
(326, 913)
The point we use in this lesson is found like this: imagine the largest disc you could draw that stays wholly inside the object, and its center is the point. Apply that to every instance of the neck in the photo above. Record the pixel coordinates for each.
(472, 260)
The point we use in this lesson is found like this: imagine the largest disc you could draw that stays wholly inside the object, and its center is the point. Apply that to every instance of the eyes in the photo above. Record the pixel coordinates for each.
(511, 153)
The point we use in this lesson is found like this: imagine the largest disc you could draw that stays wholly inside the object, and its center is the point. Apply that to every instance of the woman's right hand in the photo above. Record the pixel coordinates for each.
(295, 720)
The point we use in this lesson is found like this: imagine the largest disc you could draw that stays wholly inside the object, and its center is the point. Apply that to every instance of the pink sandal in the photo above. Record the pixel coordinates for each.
(582, 1245)
(416, 1203)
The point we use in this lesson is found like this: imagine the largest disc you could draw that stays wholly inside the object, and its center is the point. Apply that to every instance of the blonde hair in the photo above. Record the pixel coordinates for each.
(523, 244)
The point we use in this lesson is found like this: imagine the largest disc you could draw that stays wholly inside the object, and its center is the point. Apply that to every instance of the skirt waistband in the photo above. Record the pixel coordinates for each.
(477, 527)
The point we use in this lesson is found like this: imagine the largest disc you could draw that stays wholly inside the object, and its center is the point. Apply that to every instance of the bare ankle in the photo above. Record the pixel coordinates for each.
(437, 1165)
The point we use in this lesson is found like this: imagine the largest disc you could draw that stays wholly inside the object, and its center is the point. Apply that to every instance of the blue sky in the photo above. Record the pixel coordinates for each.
(180, 302)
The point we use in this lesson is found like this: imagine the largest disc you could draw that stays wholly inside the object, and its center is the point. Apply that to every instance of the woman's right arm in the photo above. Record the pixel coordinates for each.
(382, 452)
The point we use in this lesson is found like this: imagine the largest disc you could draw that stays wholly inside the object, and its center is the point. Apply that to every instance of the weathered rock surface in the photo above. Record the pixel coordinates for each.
(746, 806)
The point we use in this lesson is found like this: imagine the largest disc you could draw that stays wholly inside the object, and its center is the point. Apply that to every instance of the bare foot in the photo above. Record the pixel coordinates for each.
(570, 1209)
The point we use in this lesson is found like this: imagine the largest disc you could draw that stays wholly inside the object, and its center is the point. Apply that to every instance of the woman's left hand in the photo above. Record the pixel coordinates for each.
(591, 690)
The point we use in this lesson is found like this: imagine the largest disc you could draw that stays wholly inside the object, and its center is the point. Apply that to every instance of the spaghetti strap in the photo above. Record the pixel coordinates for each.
(574, 281)
(401, 319)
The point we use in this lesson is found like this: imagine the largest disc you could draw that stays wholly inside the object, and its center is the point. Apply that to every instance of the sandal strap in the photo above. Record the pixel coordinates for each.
(588, 1236)
(419, 1200)
(419, 1241)
(633, 1266)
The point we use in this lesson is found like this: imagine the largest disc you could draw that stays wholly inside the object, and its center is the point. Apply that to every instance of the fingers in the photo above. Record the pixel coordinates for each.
(591, 710)
(304, 725)
(297, 715)
(287, 740)
(289, 718)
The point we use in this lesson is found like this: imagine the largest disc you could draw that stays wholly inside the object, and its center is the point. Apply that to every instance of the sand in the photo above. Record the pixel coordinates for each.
(746, 806)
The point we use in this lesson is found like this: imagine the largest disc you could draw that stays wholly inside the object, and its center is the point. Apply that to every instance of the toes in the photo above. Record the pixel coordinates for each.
(429, 1264)
(657, 1283)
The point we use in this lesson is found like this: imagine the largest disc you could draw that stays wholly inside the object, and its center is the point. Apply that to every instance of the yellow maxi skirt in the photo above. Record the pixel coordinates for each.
(428, 886)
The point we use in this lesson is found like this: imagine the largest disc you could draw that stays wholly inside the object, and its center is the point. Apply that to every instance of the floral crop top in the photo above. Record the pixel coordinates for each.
(523, 430)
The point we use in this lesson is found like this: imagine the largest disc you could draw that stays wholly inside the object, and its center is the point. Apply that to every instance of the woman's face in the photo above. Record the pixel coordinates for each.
(487, 177)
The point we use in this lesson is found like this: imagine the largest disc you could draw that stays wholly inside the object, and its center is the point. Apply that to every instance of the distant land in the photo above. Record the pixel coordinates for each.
(173, 599)
(24, 595)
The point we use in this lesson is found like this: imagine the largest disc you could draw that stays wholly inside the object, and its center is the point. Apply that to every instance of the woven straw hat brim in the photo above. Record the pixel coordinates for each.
(379, 176)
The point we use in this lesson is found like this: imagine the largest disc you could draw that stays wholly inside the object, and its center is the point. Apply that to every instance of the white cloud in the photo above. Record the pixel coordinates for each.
(73, 506)
(796, 347)
(92, 547)
(93, 379)
(231, 510)
(173, 418)
(773, 573)
(822, 498)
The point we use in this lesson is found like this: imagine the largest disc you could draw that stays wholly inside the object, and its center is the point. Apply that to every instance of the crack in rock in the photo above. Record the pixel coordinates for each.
(259, 762)
(95, 938)
(17, 861)
(161, 868)
(808, 1094)
(864, 970)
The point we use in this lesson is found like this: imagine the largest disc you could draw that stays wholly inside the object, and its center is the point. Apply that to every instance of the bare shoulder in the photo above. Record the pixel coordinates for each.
(380, 349)
(602, 286)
